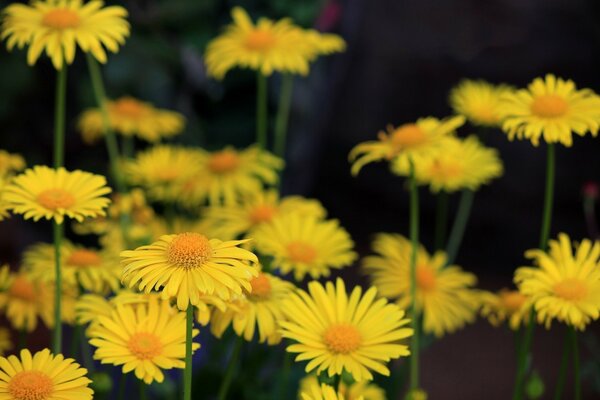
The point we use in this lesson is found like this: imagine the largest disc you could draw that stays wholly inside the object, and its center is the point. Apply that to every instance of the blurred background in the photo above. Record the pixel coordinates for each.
(403, 57)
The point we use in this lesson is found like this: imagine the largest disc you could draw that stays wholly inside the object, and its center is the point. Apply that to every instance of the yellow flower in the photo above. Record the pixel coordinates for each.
(478, 101)
(189, 265)
(96, 271)
(358, 390)
(445, 295)
(323, 392)
(59, 26)
(551, 109)
(43, 376)
(5, 341)
(563, 285)
(505, 305)
(305, 245)
(43, 192)
(261, 308)
(406, 141)
(145, 338)
(10, 163)
(132, 117)
(325, 43)
(460, 164)
(256, 209)
(23, 300)
(358, 333)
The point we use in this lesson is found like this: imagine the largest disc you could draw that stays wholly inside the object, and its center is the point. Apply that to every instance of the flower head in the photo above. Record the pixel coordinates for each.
(5, 341)
(358, 333)
(505, 305)
(322, 392)
(10, 164)
(59, 26)
(478, 101)
(563, 285)
(358, 390)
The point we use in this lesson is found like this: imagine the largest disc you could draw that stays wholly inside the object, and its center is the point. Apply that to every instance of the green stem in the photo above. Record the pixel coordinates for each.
(75, 340)
(59, 117)
(128, 146)
(187, 375)
(261, 111)
(285, 375)
(544, 235)
(283, 113)
(441, 219)
(460, 224)
(576, 371)
(57, 338)
(122, 385)
(230, 368)
(562, 374)
(414, 238)
(142, 387)
(22, 339)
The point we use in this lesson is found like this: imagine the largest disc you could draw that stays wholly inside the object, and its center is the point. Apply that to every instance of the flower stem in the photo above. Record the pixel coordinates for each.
(128, 146)
(59, 117)
(283, 113)
(544, 235)
(460, 224)
(261, 110)
(187, 375)
(562, 374)
(414, 239)
(230, 368)
(57, 338)
(22, 339)
(441, 219)
(122, 385)
(576, 371)
(142, 387)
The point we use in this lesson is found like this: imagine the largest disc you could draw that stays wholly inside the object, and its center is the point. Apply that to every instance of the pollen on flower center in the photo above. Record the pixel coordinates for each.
(22, 289)
(549, 106)
(571, 289)
(261, 287)
(54, 199)
(512, 300)
(262, 213)
(259, 40)
(129, 107)
(426, 279)
(145, 346)
(224, 161)
(408, 135)
(189, 250)
(30, 385)
(342, 338)
(61, 18)
(83, 258)
(303, 252)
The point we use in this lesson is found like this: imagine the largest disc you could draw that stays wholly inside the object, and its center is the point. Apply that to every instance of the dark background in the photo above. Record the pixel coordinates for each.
(403, 57)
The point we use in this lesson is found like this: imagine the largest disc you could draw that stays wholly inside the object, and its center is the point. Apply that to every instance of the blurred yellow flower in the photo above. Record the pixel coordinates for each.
(5, 341)
(478, 101)
(323, 392)
(10, 163)
(505, 305)
(59, 26)
(358, 390)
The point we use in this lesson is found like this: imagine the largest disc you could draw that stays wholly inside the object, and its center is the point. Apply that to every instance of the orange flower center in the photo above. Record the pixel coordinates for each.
(30, 385)
(259, 40)
(167, 174)
(426, 279)
(301, 252)
(224, 161)
(408, 135)
(145, 346)
(22, 289)
(342, 338)
(61, 18)
(54, 199)
(83, 258)
(445, 169)
(189, 250)
(549, 106)
(261, 287)
(129, 107)
(262, 213)
(512, 300)
(571, 289)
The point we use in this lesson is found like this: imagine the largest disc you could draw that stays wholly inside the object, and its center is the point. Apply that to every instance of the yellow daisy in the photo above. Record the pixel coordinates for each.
(5, 341)
(96, 271)
(358, 333)
(4, 208)
(325, 43)
(145, 338)
(59, 26)
(406, 141)
(460, 164)
(260, 309)
(132, 117)
(43, 192)
(564, 285)
(445, 295)
(305, 245)
(256, 209)
(227, 175)
(323, 392)
(505, 305)
(358, 390)
(189, 265)
(23, 300)
(10, 163)
(478, 101)
(552, 109)
(43, 376)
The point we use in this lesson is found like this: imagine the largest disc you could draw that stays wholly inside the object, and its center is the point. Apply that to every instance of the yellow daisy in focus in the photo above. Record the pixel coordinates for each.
(564, 285)
(460, 164)
(258, 310)
(5, 341)
(336, 332)
(358, 390)
(43, 192)
(305, 245)
(323, 392)
(445, 294)
(551, 109)
(145, 338)
(129, 116)
(505, 305)
(406, 141)
(96, 271)
(189, 265)
(478, 101)
(43, 376)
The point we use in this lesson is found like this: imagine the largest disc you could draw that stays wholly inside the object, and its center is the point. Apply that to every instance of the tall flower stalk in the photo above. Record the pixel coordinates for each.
(414, 239)
(261, 110)
(187, 374)
(283, 113)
